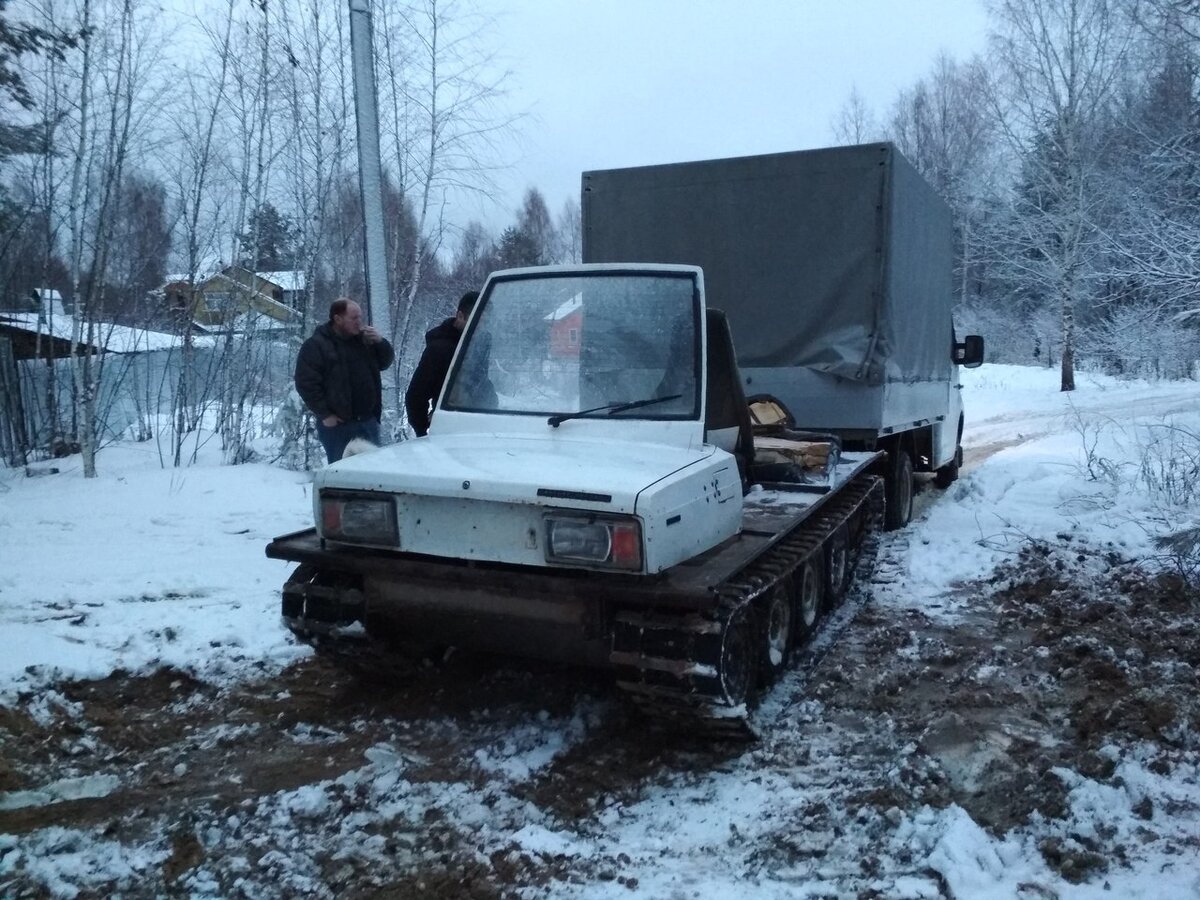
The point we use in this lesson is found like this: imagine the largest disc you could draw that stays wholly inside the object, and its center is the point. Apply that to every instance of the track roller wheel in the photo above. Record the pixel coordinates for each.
(739, 656)
(838, 568)
(810, 583)
(778, 632)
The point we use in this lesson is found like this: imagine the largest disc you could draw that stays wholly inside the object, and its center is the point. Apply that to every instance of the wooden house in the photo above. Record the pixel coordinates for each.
(228, 299)
(565, 324)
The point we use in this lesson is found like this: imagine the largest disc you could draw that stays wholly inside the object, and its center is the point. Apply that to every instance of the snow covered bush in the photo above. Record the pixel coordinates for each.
(297, 449)
(1170, 472)
(1142, 341)
(1170, 464)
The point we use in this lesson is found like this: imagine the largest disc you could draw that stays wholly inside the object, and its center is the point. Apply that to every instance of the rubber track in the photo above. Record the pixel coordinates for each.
(668, 662)
(368, 659)
(349, 646)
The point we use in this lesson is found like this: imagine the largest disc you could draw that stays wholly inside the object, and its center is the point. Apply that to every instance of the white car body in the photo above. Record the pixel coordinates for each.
(481, 484)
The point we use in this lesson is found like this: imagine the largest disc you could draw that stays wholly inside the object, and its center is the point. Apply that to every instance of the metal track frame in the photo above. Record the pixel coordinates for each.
(672, 663)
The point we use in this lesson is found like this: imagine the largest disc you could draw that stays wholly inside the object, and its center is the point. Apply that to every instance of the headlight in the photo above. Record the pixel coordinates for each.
(359, 518)
(609, 542)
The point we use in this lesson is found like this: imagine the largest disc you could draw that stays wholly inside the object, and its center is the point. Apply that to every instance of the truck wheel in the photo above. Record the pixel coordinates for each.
(948, 474)
(899, 487)
(810, 583)
(837, 567)
(739, 656)
(777, 632)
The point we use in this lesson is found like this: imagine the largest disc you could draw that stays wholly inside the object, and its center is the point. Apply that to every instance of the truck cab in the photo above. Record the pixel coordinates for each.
(570, 432)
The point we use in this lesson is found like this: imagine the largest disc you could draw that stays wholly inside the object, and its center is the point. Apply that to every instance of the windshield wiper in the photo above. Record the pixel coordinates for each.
(610, 408)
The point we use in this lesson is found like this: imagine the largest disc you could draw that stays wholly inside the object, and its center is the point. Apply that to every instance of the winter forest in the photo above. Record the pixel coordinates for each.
(145, 150)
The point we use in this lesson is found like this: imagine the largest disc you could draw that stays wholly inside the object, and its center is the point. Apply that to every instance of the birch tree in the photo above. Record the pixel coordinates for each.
(568, 233)
(443, 124)
(117, 59)
(195, 178)
(316, 111)
(1155, 179)
(250, 110)
(1058, 64)
(854, 122)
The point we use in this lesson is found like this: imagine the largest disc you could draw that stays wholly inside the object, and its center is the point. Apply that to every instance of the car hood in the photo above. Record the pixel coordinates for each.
(550, 471)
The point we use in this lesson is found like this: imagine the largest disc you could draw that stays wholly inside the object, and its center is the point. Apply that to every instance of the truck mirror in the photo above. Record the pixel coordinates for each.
(969, 353)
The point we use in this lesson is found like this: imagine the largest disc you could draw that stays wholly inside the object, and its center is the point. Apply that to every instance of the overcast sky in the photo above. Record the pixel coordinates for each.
(611, 83)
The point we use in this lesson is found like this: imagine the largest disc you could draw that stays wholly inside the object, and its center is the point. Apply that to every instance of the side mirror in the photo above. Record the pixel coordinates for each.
(969, 354)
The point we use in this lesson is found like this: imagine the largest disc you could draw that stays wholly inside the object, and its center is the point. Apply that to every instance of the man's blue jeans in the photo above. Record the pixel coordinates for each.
(335, 439)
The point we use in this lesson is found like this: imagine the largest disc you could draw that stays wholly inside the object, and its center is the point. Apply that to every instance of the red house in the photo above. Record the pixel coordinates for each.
(566, 323)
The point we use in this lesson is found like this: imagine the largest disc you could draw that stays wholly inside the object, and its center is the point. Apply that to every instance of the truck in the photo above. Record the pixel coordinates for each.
(597, 488)
(834, 267)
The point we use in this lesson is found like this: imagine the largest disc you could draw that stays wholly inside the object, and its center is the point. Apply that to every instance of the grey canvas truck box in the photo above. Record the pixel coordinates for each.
(835, 269)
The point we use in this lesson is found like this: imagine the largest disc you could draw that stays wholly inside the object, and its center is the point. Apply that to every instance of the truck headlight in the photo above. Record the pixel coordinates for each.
(609, 542)
(359, 518)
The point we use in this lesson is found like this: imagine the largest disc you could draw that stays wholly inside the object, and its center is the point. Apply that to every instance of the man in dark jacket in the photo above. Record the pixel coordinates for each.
(440, 344)
(337, 376)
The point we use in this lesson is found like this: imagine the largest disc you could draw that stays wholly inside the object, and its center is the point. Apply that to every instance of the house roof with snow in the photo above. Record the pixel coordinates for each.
(566, 309)
(252, 322)
(26, 328)
(289, 281)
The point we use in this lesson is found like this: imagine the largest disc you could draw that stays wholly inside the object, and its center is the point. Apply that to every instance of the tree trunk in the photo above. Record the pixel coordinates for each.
(1068, 345)
(76, 206)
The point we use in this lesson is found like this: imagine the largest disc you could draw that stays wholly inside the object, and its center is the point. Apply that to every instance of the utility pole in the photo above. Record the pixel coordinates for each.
(370, 167)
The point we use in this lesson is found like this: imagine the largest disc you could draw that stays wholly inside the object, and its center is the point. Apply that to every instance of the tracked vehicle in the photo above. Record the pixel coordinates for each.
(591, 492)
(597, 487)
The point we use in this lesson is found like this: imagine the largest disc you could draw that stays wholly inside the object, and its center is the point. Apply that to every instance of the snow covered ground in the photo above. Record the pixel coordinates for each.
(145, 569)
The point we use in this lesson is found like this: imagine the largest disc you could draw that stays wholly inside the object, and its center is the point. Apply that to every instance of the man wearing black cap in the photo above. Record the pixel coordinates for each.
(440, 344)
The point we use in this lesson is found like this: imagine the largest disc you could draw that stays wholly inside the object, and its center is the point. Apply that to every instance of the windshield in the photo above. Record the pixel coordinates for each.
(558, 344)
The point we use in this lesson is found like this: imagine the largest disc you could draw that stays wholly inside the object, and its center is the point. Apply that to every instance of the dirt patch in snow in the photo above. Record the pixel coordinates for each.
(1068, 654)
(1064, 654)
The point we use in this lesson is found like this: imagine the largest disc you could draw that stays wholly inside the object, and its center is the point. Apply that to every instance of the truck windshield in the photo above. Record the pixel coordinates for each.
(556, 344)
